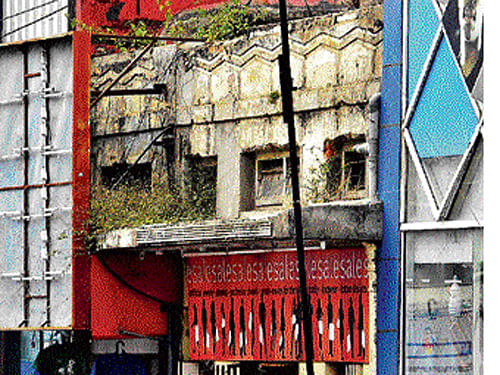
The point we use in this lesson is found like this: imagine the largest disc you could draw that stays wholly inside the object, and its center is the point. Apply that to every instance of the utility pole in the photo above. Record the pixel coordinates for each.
(288, 118)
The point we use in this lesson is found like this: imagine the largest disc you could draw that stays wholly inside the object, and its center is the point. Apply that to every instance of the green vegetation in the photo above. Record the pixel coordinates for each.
(225, 21)
(274, 96)
(131, 207)
(139, 28)
(325, 183)
(230, 20)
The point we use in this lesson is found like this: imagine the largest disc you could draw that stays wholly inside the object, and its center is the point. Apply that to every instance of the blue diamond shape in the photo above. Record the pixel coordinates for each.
(444, 119)
(422, 28)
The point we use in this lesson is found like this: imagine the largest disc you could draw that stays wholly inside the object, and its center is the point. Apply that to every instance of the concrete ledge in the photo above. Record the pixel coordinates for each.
(344, 220)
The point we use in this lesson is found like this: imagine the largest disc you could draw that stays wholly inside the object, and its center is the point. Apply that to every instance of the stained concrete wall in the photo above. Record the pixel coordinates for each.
(224, 97)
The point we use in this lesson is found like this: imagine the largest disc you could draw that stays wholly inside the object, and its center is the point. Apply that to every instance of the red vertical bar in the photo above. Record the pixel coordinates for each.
(79, 10)
(81, 178)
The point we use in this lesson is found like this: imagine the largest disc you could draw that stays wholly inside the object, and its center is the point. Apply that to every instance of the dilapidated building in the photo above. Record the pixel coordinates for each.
(199, 127)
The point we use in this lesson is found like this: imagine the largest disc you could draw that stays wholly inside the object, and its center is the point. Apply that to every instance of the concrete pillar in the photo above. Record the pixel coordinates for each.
(228, 170)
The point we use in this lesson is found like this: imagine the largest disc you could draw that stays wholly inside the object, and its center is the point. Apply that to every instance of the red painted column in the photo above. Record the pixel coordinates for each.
(81, 178)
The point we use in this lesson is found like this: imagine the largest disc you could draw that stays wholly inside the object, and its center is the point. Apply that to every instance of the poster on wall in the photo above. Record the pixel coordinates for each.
(248, 306)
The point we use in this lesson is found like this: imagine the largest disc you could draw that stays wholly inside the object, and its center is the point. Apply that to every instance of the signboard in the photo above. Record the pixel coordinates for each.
(248, 306)
(44, 182)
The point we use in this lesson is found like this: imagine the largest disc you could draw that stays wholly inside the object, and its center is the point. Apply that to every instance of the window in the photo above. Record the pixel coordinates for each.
(273, 179)
(354, 170)
(443, 314)
(345, 168)
(135, 176)
(202, 181)
(265, 177)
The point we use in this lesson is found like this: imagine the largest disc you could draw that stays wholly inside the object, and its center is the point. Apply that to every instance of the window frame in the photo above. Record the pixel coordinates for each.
(349, 190)
(111, 174)
(343, 188)
(274, 201)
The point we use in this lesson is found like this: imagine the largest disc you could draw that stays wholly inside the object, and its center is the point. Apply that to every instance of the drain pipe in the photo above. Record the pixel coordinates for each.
(370, 147)
(373, 129)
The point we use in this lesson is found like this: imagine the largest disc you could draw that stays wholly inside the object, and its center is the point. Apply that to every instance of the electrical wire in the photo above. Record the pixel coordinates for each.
(163, 131)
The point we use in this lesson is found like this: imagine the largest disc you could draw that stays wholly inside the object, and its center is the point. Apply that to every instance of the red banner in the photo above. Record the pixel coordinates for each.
(244, 307)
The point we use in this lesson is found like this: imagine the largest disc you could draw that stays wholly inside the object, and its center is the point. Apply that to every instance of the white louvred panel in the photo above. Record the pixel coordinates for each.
(209, 230)
(30, 19)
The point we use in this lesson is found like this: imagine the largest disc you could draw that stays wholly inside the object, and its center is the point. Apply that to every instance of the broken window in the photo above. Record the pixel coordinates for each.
(354, 170)
(345, 168)
(272, 179)
(134, 176)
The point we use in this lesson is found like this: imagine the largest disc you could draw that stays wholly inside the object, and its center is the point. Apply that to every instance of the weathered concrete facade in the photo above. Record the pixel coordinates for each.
(222, 107)
(223, 99)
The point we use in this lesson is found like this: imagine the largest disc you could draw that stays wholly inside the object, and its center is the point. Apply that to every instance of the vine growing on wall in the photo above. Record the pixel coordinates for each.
(130, 28)
(325, 181)
(230, 20)
(333, 179)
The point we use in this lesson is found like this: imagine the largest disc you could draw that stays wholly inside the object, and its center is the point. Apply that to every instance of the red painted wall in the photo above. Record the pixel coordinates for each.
(115, 12)
(115, 307)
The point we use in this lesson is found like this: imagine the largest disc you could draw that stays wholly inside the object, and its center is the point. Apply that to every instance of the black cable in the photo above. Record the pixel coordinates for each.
(34, 22)
(163, 129)
(129, 132)
(29, 10)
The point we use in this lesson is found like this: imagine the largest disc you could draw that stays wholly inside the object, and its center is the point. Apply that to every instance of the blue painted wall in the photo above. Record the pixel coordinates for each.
(388, 255)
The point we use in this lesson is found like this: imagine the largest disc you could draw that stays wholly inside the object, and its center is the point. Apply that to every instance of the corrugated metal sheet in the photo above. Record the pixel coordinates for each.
(36, 166)
(29, 19)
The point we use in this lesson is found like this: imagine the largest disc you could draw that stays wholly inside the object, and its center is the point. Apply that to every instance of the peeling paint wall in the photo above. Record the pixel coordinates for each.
(224, 98)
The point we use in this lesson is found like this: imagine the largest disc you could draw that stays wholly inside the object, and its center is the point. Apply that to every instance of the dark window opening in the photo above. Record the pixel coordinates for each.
(344, 169)
(273, 181)
(333, 175)
(134, 176)
(71, 14)
(202, 182)
(354, 170)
